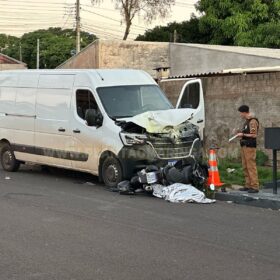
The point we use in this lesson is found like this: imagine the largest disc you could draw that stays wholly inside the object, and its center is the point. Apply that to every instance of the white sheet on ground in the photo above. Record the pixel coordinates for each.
(180, 193)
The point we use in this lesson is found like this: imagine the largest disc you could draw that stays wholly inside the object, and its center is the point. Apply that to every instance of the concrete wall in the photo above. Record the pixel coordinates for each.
(135, 55)
(12, 67)
(121, 54)
(88, 58)
(224, 94)
(195, 60)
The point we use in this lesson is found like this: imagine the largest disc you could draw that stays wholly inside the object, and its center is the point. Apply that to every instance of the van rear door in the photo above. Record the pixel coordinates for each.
(191, 97)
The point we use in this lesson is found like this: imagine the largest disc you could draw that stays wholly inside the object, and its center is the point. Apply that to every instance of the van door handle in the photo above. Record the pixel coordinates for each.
(76, 131)
(61, 129)
(200, 121)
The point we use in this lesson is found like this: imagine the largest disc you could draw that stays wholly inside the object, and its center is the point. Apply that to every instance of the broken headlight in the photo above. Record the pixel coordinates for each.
(130, 139)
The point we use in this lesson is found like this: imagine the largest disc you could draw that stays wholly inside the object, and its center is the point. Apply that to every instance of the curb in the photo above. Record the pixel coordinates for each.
(262, 200)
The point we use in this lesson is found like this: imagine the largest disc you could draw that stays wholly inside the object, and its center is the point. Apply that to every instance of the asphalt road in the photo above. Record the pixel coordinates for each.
(56, 226)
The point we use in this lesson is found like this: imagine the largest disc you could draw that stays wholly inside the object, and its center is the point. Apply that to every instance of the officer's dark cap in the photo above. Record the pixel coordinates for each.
(243, 109)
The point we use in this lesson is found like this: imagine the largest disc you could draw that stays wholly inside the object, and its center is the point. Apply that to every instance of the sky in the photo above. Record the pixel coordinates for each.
(21, 16)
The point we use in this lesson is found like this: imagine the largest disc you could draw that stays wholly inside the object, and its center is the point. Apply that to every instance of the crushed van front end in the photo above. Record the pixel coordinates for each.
(142, 148)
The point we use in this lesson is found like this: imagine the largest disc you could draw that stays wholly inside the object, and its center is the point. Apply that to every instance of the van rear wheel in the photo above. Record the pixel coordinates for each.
(8, 159)
(111, 172)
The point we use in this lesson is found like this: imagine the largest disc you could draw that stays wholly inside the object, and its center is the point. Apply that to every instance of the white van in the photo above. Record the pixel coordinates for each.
(110, 123)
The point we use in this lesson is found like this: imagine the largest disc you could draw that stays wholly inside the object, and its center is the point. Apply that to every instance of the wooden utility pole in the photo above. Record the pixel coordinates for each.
(78, 27)
(38, 53)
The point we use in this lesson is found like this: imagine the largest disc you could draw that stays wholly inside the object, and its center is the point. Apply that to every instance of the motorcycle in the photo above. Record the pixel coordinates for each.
(189, 170)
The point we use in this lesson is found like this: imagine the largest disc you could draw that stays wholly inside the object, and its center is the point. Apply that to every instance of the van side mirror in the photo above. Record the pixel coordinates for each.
(93, 117)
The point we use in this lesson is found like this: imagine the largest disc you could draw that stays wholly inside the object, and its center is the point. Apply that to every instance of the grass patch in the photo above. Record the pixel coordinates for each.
(237, 177)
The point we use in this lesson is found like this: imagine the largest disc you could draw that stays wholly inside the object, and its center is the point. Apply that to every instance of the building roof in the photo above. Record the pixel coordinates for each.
(227, 72)
(4, 59)
(263, 52)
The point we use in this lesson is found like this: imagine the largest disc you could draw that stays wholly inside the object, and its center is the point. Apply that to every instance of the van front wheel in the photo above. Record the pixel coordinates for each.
(111, 172)
(8, 159)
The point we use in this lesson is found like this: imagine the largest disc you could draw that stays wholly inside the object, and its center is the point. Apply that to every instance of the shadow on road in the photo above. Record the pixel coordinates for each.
(76, 176)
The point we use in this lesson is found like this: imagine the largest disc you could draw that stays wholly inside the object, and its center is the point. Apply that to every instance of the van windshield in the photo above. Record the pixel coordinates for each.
(129, 101)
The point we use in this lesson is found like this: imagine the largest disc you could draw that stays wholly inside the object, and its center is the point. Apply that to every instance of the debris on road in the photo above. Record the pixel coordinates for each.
(230, 170)
(7, 178)
(183, 182)
(181, 193)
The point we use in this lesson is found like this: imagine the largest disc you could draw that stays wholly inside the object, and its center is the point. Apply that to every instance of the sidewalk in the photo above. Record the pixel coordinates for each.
(264, 199)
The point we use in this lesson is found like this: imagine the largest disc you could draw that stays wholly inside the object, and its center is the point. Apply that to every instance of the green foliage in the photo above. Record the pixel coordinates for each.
(262, 158)
(243, 22)
(237, 177)
(56, 45)
(7, 41)
(254, 23)
(188, 32)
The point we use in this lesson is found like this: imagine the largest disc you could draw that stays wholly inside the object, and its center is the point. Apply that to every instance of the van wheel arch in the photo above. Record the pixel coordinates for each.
(8, 159)
(108, 157)
(3, 142)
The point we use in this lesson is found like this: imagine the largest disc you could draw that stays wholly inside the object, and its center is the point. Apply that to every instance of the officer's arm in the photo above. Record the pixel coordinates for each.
(253, 129)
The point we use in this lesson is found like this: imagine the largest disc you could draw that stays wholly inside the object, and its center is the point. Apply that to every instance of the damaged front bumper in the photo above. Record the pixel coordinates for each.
(157, 152)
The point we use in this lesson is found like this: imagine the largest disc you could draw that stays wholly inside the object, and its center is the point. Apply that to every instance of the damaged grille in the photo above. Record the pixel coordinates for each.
(165, 149)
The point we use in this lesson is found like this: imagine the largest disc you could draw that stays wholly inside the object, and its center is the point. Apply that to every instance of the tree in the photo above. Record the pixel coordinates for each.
(56, 45)
(7, 41)
(253, 23)
(149, 9)
(187, 32)
(241, 22)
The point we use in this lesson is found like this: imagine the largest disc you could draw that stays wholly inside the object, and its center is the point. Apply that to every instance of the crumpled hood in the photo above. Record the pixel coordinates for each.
(157, 121)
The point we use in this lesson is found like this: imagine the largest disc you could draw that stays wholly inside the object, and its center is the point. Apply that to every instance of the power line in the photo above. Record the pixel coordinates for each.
(103, 28)
(27, 18)
(112, 19)
(33, 6)
(9, 26)
(105, 34)
(66, 21)
(100, 8)
(33, 2)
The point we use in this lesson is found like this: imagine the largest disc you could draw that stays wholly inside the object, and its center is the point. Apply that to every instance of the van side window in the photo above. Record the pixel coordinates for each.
(84, 101)
(191, 96)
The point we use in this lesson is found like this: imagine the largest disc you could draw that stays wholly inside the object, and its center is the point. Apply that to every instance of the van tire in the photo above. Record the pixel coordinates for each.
(112, 173)
(8, 159)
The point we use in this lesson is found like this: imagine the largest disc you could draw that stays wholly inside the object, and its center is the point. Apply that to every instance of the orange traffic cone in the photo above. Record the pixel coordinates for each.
(214, 176)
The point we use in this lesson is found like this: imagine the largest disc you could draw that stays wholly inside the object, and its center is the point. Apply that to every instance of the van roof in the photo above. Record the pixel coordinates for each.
(99, 77)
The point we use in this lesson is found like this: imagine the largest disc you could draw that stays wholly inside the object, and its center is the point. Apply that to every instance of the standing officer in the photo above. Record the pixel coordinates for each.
(248, 144)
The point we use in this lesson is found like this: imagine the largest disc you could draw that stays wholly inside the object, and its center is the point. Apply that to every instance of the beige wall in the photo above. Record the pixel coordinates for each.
(12, 66)
(121, 54)
(224, 94)
(135, 55)
(86, 59)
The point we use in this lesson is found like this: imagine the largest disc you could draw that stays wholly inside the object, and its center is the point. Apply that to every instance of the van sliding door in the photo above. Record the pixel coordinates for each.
(52, 127)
